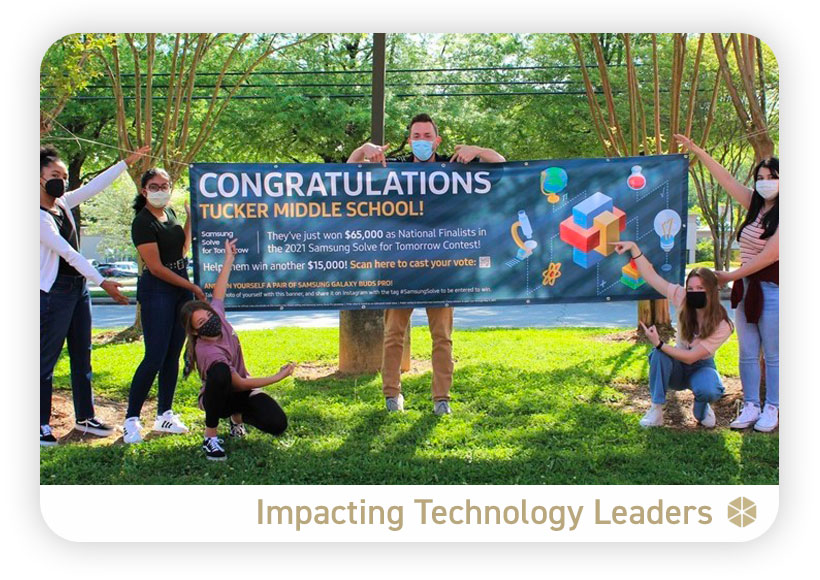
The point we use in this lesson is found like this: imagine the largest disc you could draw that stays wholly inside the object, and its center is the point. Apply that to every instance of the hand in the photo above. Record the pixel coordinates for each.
(375, 153)
(465, 153)
(198, 293)
(626, 246)
(113, 289)
(286, 370)
(138, 154)
(724, 277)
(651, 334)
(686, 143)
(230, 249)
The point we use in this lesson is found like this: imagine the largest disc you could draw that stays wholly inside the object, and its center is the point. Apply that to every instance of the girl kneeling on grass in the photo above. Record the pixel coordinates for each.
(228, 390)
(703, 325)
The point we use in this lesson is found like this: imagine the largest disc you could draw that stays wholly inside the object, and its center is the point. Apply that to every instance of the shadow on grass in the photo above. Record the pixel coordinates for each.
(510, 426)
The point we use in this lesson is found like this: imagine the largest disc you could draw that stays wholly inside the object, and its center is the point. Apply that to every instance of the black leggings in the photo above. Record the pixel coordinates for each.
(221, 400)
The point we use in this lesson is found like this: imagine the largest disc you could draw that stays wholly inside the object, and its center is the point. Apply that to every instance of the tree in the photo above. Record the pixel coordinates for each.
(642, 132)
(175, 139)
(179, 129)
(68, 67)
(750, 100)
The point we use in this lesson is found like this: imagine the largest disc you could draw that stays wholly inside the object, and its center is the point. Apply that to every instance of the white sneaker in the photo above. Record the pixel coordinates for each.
(709, 420)
(442, 408)
(768, 419)
(131, 430)
(394, 404)
(653, 417)
(747, 417)
(169, 422)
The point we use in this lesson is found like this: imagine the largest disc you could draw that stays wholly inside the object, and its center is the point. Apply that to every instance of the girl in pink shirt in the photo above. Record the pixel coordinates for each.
(228, 389)
(755, 285)
(703, 325)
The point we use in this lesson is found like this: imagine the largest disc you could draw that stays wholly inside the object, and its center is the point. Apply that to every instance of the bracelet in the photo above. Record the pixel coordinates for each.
(660, 345)
(638, 256)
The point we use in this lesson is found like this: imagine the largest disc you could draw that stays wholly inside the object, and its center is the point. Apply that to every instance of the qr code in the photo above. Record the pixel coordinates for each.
(484, 262)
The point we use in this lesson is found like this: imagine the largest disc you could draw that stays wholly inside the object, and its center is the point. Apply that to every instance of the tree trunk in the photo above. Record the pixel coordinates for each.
(655, 312)
(361, 337)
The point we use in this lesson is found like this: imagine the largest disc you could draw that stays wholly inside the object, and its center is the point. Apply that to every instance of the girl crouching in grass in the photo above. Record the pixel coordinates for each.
(703, 325)
(228, 390)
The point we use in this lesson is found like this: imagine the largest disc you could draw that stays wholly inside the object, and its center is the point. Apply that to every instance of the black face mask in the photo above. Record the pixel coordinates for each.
(696, 299)
(55, 187)
(212, 328)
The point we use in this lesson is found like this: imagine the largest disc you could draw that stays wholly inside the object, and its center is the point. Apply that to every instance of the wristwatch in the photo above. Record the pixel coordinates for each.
(660, 345)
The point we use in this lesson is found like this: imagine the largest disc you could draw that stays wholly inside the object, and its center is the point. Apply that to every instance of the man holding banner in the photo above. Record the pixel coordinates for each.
(423, 139)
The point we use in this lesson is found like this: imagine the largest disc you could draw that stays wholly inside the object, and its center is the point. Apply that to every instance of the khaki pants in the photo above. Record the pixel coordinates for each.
(441, 330)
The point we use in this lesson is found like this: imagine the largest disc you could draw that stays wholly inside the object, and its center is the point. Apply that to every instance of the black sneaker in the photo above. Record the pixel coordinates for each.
(213, 449)
(94, 426)
(237, 430)
(47, 437)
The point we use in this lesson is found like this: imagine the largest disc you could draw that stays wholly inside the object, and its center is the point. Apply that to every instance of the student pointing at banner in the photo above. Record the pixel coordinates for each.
(703, 326)
(755, 285)
(228, 390)
(65, 306)
(424, 139)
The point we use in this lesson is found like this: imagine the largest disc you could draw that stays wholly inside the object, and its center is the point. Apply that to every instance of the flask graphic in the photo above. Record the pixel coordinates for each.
(636, 181)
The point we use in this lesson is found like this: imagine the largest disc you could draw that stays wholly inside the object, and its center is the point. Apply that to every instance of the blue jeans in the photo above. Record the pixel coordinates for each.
(65, 315)
(668, 373)
(751, 337)
(163, 336)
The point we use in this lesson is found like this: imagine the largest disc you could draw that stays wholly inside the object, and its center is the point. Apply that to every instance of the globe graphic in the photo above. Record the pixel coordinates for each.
(554, 180)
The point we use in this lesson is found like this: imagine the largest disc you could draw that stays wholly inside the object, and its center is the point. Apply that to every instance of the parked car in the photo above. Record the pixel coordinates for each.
(125, 269)
(105, 269)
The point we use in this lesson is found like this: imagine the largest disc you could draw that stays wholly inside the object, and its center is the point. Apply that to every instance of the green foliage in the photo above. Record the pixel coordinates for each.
(530, 407)
(705, 251)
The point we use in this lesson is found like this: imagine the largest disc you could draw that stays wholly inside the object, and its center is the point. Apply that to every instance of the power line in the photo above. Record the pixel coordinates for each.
(389, 71)
(363, 95)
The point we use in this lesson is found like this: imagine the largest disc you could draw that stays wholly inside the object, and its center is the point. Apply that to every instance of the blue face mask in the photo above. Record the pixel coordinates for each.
(423, 150)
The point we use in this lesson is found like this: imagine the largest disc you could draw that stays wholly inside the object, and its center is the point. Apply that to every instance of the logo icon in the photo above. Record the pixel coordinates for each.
(742, 512)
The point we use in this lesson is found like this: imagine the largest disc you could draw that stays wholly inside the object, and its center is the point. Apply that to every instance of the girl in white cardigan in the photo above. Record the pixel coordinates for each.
(65, 307)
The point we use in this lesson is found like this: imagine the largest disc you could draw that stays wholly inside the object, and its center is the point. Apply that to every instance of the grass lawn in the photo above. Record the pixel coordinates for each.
(530, 407)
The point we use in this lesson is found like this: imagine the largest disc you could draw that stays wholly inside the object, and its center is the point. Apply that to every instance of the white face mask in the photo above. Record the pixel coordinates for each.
(159, 199)
(767, 188)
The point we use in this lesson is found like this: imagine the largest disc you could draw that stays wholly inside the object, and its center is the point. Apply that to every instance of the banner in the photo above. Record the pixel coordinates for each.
(345, 236)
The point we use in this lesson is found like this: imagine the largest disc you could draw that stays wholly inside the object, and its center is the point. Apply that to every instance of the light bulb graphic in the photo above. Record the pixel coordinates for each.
(667, 226)
(525, 248)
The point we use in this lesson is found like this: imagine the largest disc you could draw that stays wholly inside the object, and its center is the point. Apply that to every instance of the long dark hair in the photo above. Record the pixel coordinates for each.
(139, 200)
(714, 311)
(772, 218)
(186, 319)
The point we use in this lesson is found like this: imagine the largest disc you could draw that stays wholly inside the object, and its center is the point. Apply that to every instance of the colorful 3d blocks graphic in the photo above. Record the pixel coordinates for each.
(593, 225)
(631, 277)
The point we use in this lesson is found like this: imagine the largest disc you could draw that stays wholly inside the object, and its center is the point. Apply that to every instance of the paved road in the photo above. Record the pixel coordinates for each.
(604, 314)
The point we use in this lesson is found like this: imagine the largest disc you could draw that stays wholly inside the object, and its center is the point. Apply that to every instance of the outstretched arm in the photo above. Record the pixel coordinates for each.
(466, 153)
(741, 193)
(768, 256)
(104, 179)
(643, 264)
(250, 383)
(221, 285)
